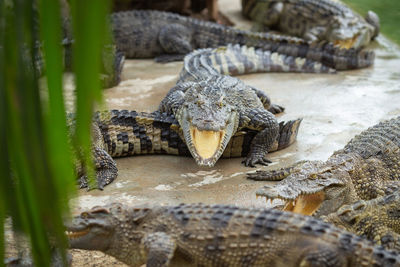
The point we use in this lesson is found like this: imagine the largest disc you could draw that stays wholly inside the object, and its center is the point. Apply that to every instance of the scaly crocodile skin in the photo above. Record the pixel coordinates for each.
(121, 133)
(366, 168)
(167, 36)
(210, 105)
(314, 20)
(220, 235)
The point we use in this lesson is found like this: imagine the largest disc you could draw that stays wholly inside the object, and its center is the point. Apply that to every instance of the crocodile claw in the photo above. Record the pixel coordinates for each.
(251, 161)
(275, 109)
(83, 183)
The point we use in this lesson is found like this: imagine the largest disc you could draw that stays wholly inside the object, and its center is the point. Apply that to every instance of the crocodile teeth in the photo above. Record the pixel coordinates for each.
(206, 143)
(305, 204)
(72, 234)
(346, 43)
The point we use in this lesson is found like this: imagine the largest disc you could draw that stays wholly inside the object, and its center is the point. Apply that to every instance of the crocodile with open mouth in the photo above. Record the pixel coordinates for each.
(212, 106)
(314, 20)
(219, 235)
(365, 169)
(120, 133)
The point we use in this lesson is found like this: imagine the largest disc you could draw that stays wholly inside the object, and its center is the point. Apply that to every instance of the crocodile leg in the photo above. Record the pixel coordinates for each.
(314, 34)
(265, 122)
(379, 233)
(175, 39)
(375, 219)
(274, 175)
(288, 132)
(323, 255)
(171, 102)
(174, 98)
(267, 13)
(161, 248)
(264, 98)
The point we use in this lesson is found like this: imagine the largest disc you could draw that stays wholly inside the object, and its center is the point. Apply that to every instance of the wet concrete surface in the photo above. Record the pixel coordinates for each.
(334, 108)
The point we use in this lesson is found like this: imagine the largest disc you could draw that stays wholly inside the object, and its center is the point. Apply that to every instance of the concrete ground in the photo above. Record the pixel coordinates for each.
(334, 108)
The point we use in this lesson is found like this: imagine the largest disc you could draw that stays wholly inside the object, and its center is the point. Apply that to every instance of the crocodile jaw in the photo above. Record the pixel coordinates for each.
(79, 237)
(83, 234)
(346, 43)
(206, 143)
(305, 204)
(76, 234)
(207, 146)
(316, 187)
(356, 41)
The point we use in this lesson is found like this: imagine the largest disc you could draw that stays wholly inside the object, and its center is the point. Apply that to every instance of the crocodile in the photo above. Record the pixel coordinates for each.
(121, 133)
(219, 235)
(314, 20)
(167, 37)
(211, 106)
(376, 219)
(365, 169)
(203, 9)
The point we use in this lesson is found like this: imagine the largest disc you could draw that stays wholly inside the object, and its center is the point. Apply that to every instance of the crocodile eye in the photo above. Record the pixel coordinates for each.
(199, 102)
(84, 215)
(221, 104)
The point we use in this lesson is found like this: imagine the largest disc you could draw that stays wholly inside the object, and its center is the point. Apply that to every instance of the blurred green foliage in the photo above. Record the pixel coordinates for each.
(37, 171)
(388, 12)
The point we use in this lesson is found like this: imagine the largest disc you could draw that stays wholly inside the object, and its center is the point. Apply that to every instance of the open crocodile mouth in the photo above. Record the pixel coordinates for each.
(346, 43)
(304, 204)
(206, 143)
(76, 234)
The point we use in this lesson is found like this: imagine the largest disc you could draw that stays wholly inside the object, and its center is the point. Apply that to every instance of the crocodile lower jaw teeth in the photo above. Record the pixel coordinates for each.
(346, 43)
(305, 204)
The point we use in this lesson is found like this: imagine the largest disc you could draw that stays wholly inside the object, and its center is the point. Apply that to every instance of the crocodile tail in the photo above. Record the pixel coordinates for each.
(128, 133)
(288, 133)
(323, 52)
(237, 59)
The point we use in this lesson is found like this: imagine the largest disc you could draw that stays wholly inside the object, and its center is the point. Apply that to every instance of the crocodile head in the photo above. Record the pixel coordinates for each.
(314, 188)
(111, 229)
(353, 31)
(208, 122)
